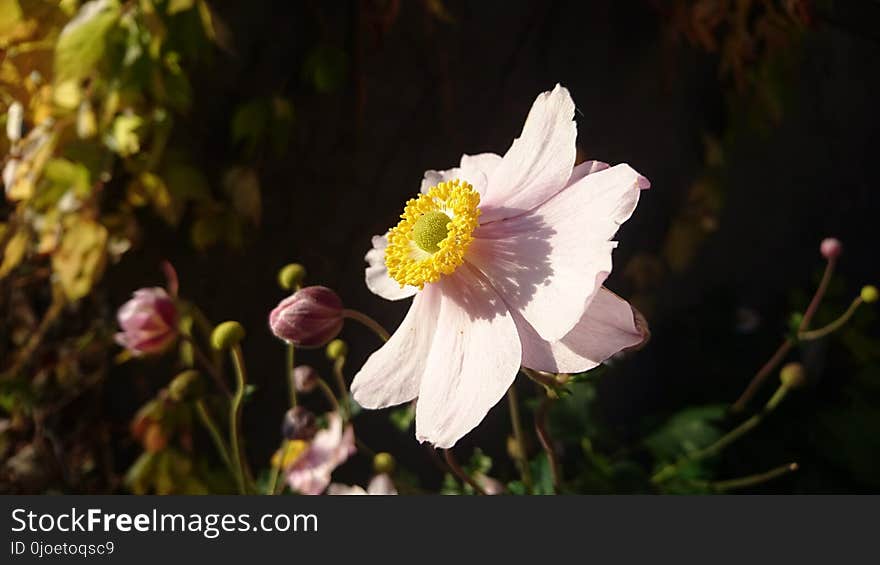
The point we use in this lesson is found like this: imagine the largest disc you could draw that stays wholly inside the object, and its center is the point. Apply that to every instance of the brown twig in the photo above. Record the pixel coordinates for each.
(547, 441)
(762, 375)
(459, 472)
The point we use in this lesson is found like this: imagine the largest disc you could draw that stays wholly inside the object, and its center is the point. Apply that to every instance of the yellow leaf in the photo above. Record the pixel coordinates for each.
(82, 42)
(15, 251)
(175, 6)
(79, 260)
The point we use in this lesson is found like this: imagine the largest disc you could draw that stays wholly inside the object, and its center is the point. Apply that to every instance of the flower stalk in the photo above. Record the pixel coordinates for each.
(367, 321)
(547, 441)
(289, 366)
(241, 475)
(715, 448)
(460, 473)
(519, 436)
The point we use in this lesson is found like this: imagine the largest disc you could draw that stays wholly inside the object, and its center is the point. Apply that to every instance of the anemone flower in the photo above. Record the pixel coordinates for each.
(330, 448)
(381, 484)
(148, 322)
(506, 257)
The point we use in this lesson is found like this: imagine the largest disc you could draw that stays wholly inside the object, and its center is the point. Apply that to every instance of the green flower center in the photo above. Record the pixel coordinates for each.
(430, 229)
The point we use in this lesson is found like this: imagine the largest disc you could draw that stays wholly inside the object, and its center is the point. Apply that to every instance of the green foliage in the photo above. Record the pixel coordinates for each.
(686, 432)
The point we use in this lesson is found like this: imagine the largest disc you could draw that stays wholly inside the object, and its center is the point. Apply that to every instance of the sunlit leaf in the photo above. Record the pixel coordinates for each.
(14, 252)
(83, 40)
(79, 260)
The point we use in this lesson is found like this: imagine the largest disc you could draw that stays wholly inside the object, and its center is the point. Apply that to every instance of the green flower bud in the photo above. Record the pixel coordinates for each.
(336, 349)
(226, 335)
(186, 386)
(869, 294)
(793, 375)
(383, 463)
(291, 275)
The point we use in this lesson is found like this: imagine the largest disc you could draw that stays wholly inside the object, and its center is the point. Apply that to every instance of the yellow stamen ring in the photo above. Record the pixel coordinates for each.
(434, 232)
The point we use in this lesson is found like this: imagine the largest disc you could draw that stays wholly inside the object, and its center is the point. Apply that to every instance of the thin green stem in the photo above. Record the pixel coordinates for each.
(835, 325)
(291, 383)
(329, 394)
(518, 435)
(211, 426)
(338, 365)
(208, 365)
(715, 448)
(369, 322)
(273, 486)
(235, 419)
(753, 480)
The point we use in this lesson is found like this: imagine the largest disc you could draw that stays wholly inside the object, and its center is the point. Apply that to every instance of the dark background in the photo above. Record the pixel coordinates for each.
(425, 91)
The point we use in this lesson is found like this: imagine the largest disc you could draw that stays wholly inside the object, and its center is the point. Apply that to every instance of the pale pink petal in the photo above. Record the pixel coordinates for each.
(376, 274)
(331, 447)
(539, 162)
(584, 169)
(607, 327)
(485, 163)
(547, 264)
(381, 485)
(392, 374)
(474, 359)
(337, 489)
(475, 177)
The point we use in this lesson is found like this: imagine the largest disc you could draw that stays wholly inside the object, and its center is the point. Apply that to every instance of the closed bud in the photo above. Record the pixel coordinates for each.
(869, 294)
(336, 349)
(185, 386)
(383, 463)
(305, 378)
(310, 317)
(793, 375)
(830, 248)
(227, 335)
(291, 276)
(299, 423)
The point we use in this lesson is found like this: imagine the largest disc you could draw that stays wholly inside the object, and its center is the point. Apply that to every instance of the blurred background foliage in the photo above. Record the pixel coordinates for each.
(231, 138)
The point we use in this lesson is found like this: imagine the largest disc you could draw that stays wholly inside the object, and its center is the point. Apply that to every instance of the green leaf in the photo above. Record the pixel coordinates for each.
(325, 68)
(403, 417)
(686, 431)
(83, 41)
(243, 187)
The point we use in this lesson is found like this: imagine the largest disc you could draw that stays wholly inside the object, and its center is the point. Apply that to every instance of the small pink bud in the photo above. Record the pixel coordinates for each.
(310, 317)
(299, 423)
(305, 378)
(148, 322)
(830, 248)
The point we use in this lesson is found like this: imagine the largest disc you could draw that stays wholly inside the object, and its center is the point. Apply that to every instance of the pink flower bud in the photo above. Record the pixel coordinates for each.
(299, 423)
(830, 248)
(310, 317)
(305, 378)
(148, 322)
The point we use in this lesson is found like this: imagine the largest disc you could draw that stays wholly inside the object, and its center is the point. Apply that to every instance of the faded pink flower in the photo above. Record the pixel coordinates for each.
(506, 257)
(380, 485)
(148, 322)
(310, 473)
